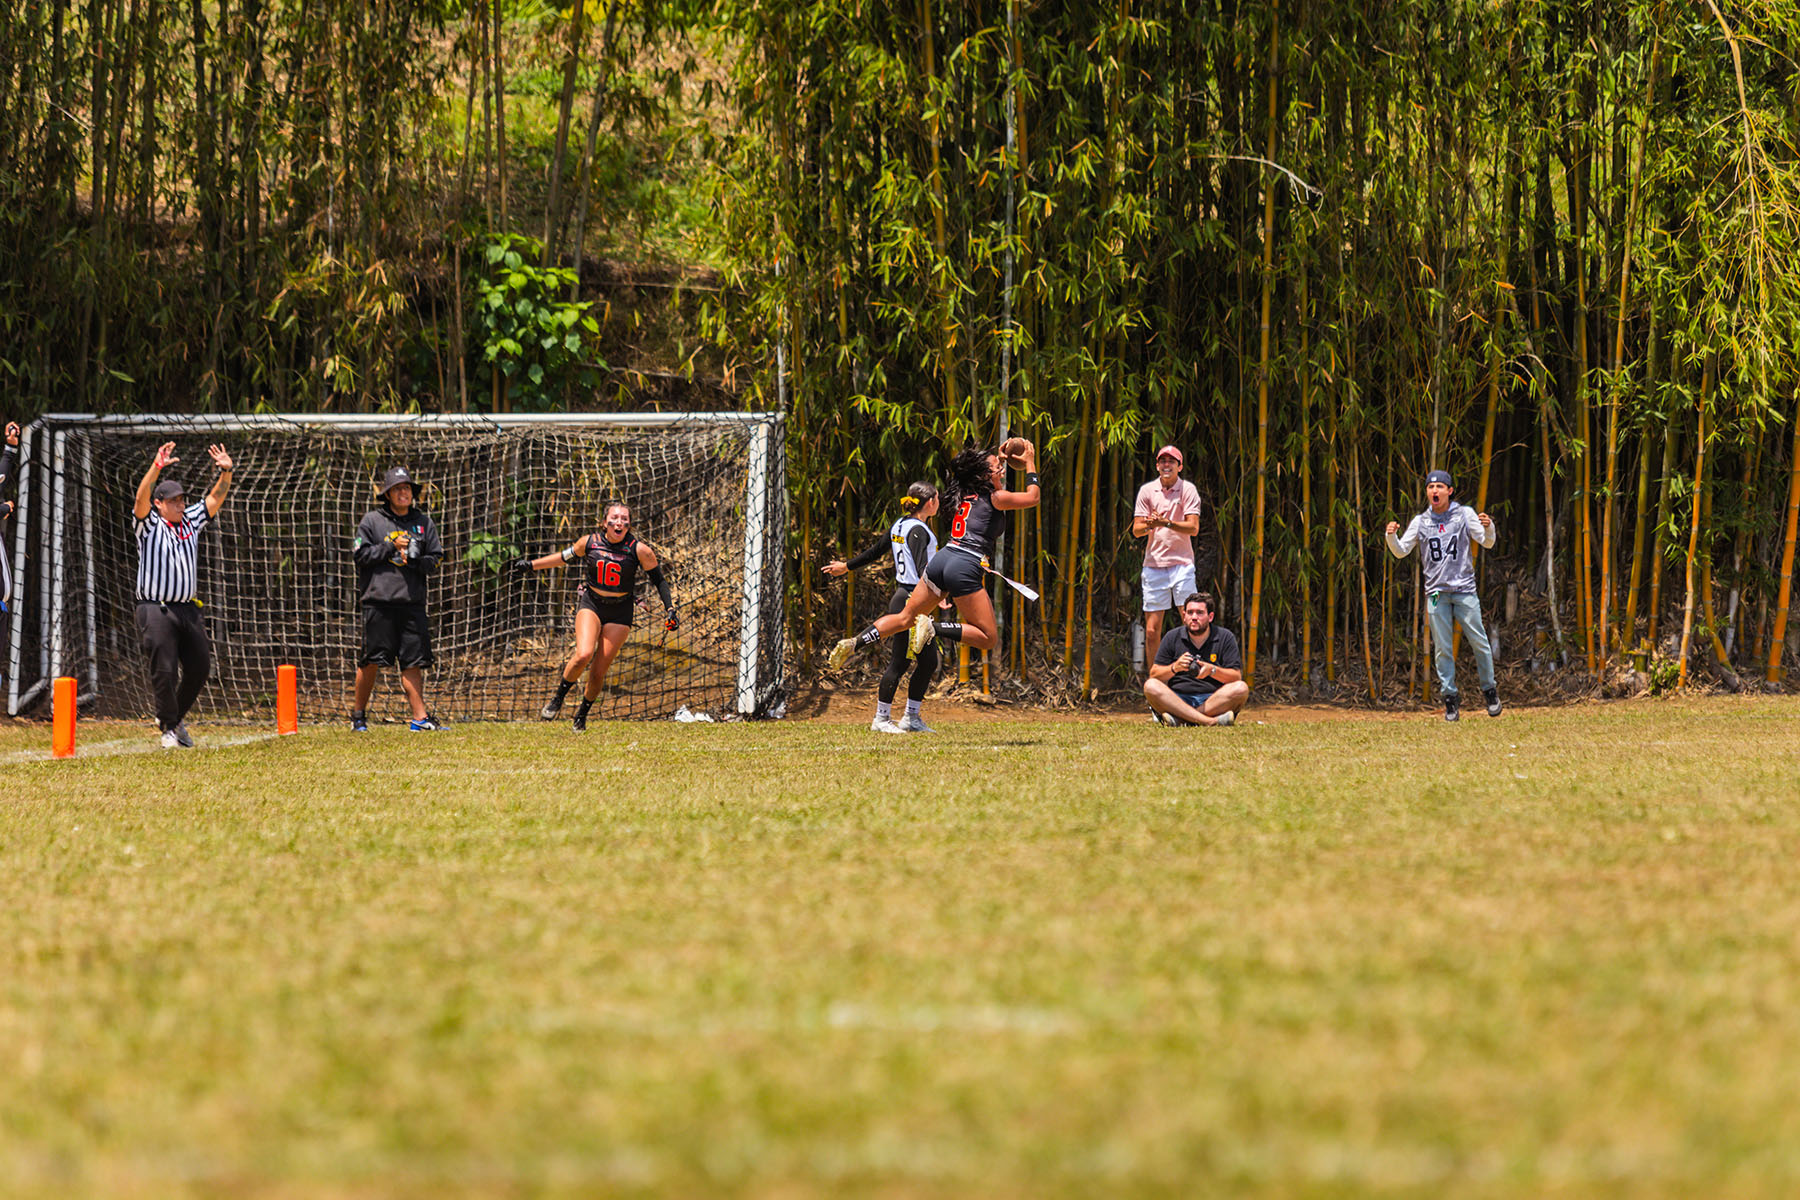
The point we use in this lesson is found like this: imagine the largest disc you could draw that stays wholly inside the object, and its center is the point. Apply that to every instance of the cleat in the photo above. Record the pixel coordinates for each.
(1492, 696)
(580, 723)
(359, 721)
(840, 653)
(551, 708)
(183, 738)
(1163, 719)
(1226, 718)
(426, 724)
(1451, 711)
(887, 725)
(924, 629)
(169, 740)
(915, 724)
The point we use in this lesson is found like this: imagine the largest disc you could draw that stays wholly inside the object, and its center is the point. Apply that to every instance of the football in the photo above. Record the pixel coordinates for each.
(1013, 451)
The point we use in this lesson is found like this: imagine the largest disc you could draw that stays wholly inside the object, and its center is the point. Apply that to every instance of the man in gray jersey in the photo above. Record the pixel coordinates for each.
(1443, 533)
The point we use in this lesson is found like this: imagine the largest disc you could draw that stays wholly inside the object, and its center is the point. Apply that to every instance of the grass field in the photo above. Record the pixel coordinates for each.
(1553, 954)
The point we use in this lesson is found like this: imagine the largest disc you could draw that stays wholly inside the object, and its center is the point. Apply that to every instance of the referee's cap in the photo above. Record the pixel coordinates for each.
(394, 478)
(1442, 477)
(168, 489)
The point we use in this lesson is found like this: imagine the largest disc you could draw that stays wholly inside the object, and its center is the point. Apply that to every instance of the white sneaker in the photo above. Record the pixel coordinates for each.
(923, 630)
(884, 725)
(914, 723)
(182, 737)
(840, 654)
(1226, 718)
(170, 741)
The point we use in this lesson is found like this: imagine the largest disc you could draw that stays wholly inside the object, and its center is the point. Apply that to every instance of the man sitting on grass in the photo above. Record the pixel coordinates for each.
(1198, 676)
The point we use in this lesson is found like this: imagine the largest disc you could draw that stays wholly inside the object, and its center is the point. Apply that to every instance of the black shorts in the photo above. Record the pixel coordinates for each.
(956, 574)
(395, 635)
(612, 610)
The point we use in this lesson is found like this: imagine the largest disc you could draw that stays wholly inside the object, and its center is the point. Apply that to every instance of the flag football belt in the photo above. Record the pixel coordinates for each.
(1027, 592)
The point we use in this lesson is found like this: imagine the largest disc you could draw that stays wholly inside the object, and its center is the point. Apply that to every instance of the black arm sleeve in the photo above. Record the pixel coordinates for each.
(868, 556)
(918, 544)
(655, 576)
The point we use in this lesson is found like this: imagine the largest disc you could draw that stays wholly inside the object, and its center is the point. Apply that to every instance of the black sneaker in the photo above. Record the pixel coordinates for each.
(359, 721)
(551, 707)
(1451, 711)
(581, 715)
(1492, 696)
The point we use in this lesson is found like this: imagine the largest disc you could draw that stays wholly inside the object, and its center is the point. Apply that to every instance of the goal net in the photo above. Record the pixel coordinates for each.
(278, 584)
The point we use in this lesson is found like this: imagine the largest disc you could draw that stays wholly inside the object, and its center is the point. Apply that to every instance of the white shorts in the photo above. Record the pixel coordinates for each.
(1167, 587)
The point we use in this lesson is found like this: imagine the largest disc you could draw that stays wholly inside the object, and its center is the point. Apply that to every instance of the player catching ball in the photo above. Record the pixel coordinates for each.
(911, 545)
(1443, 533)
(605, 601)
(978, 505)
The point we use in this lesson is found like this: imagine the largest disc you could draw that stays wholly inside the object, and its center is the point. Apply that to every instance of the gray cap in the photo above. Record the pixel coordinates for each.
(394, 478)
(1442, 477)
(169, 489)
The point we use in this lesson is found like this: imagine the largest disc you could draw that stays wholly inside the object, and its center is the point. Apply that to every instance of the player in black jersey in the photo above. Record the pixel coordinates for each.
(978, 504)
(909, 546)
(609, 559)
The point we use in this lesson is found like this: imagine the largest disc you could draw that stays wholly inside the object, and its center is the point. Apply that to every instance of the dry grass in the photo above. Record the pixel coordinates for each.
(1554, 954)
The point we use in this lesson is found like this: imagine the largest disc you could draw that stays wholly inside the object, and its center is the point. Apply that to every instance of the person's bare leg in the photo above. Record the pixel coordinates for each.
(587, 637)
(1165, 699)
(1229, 698)
(1152, 637)
(612, 640)
(366, 675)
(979, 629)
(412, 682)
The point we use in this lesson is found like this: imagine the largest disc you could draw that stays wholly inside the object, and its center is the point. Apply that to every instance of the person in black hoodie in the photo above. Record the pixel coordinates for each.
(396, 551)
(9, 466)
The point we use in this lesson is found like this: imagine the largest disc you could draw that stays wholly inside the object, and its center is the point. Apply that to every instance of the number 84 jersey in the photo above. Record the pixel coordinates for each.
(1443, 540)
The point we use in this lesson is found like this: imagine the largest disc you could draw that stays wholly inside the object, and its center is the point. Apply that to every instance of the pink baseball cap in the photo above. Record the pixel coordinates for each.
(1172, 452)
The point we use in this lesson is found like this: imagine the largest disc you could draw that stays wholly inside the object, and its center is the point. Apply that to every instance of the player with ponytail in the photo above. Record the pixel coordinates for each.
(910, 545)
(610, 558)
(978, 504)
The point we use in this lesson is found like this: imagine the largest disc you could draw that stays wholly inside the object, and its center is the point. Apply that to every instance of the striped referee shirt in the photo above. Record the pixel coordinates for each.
(169, 556)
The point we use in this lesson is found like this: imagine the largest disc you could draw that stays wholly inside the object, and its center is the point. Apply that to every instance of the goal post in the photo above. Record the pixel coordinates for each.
(278, 584)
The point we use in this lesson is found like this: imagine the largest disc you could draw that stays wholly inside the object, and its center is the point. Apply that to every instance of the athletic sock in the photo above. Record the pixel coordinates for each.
(868, 637)
(585, 705)
(562, 689)
(912, 708)
(949, 631)
(884, 710)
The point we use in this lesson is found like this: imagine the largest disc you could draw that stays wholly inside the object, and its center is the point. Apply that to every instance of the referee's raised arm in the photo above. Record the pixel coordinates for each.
(165, 458)
(215, 499)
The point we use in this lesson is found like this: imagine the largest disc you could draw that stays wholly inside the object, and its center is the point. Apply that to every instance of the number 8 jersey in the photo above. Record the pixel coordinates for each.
(1443, 540)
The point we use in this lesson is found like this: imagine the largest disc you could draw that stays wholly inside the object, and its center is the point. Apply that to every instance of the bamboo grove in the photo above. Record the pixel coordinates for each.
(1320, 247)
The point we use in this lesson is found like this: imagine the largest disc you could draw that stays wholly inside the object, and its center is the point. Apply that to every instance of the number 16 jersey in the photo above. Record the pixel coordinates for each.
(610, 566)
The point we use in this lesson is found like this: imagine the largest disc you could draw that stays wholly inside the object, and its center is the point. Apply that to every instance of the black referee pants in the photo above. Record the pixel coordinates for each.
(180, 657)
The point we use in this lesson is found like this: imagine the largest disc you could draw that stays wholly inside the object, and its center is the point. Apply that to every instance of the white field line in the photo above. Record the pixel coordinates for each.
(148, 744)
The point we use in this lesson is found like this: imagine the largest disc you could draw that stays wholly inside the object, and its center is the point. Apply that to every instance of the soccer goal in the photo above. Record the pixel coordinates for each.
(278, 585)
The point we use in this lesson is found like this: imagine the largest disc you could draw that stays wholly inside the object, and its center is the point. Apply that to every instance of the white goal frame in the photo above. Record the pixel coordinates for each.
(44, 467)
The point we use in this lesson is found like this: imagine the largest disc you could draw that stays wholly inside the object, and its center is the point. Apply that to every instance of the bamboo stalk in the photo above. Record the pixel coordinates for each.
(1362, 570)
(1262, 368)
(1306, 540)
(1693, 548)
(1778, 637)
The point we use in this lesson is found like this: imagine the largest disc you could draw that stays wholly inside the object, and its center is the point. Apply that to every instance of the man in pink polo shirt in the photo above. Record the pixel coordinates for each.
(1168, 514)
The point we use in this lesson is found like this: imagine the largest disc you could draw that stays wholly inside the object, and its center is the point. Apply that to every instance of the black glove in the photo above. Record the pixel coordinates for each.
(673, 623)
(520, 566)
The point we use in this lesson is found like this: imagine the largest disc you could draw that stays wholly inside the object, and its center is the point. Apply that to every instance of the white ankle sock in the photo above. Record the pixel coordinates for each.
(884, 711)
(912, 708)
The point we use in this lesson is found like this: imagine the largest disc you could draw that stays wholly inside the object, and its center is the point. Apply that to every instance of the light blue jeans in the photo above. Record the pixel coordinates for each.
(1449, 609)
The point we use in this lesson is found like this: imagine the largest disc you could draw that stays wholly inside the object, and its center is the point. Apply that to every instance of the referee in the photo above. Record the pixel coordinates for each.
(168, 613)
